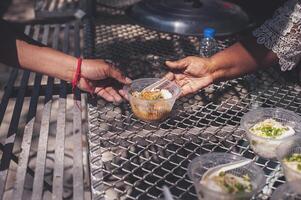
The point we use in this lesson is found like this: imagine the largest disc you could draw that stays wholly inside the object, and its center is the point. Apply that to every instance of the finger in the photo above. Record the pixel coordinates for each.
(88, 85)
(114, 94)
(179, 64)
(182, 82)
(116, 74)
(194, 86)
(123, 94)
(188, 89)
(179, 77)
(104, 94)
(169, 76)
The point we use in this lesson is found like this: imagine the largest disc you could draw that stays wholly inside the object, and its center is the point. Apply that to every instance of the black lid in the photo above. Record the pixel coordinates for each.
(189, 17)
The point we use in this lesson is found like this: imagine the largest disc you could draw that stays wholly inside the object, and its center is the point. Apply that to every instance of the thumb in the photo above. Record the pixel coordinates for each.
(116, 74)
(86, 85)
(179, 64)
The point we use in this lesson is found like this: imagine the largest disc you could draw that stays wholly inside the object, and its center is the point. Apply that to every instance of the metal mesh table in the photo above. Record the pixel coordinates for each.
(132, 159)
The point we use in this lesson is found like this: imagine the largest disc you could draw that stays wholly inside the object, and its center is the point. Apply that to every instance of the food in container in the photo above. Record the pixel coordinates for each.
(229, 183)
(293, 161)
(266, 128)
(271, 128)
(289, 154)
(153, 95)
(152, 105)
(239, 183)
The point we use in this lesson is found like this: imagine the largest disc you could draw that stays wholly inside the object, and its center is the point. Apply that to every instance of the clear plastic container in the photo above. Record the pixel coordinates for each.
(201, 164)
(266, 147)
(151, 110)
(288, 191)
(286, 149)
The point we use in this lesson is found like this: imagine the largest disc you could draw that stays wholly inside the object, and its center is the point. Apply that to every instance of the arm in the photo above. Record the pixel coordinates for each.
(194, 73)
(18, 50)
(45, 60)
(241, 58)
(276, 41)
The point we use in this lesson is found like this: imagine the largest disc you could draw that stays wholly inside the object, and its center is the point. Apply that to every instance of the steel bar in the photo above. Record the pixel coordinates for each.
(28, 131)
(58, 174)
(77, 134)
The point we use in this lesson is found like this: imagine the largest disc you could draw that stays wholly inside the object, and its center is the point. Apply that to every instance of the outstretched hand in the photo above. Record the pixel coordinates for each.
(97, 77)
(191, 73)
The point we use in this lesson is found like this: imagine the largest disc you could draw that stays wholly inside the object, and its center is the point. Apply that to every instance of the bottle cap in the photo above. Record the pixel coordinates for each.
(209, 32)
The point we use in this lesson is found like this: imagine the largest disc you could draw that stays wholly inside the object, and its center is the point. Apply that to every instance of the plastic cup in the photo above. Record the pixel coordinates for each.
(289, 190)
(151, 110)
(201, 164)
(266, 147)
(286, 149)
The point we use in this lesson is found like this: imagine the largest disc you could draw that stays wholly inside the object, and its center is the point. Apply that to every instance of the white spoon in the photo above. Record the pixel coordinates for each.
(167, 194)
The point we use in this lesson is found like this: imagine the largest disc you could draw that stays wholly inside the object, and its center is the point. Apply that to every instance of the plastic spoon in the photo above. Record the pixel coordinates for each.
(156, 85)
(167, 193)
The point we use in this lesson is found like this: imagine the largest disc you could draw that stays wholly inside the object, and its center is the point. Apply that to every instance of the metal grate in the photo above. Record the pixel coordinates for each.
(131, 159)
(41, 131)
(60, 8)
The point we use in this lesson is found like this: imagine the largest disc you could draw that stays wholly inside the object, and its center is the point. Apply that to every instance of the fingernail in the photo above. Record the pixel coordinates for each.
(128, 80)
(121, 92)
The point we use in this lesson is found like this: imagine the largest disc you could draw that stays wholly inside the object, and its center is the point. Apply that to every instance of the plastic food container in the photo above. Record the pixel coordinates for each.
(201, 164)
(266, 147)
(287, 191)
(285, 150)
(151, 110)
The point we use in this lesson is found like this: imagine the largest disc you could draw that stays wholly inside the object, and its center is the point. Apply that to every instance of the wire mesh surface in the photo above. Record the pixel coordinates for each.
(132, 159)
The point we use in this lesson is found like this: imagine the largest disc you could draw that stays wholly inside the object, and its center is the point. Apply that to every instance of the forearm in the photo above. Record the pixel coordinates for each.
(46, 60)
(18, 50)
(241, 58)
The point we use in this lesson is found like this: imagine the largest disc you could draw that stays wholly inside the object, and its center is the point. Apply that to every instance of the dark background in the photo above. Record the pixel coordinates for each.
(259, 10)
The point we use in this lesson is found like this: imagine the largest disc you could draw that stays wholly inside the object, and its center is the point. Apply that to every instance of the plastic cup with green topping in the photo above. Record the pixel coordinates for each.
(288, 191)
(239, 183)
(267, 128)
(289, 154)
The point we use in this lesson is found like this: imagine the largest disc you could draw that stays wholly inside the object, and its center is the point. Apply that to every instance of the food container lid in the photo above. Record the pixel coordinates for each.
(190, 17)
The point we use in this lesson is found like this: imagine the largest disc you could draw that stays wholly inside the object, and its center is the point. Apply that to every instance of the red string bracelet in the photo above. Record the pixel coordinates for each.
(76, 78)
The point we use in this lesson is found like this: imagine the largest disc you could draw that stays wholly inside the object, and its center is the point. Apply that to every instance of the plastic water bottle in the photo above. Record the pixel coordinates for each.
(208, 45)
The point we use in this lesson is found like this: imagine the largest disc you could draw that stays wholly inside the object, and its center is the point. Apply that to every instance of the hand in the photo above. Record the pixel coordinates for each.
(97, 77)
(191, 73)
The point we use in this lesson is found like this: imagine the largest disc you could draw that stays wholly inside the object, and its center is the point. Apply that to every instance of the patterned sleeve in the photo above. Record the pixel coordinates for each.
(282, 34)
